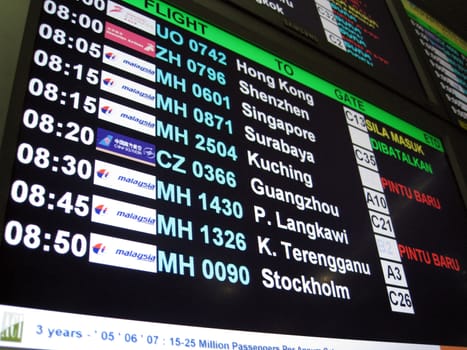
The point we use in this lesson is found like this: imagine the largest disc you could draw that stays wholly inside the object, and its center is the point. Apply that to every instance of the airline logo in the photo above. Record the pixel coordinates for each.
(108, 82)
(129, 63)
(129, 39)
(128, 89)
(100, 209)
(98, 248)
(109, 56)
(105, 109)
(130, 17)
(124, 215)
(124, 179)
(123, 253)
(127, 117)
(102, 173)
(126, 147)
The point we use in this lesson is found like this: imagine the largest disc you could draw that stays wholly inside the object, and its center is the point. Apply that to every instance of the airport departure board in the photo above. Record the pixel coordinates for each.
(174, 186)
(447, 56)
(361, 33)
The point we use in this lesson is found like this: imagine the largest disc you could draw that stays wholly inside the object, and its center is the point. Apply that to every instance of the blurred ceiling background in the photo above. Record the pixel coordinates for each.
(451, 13)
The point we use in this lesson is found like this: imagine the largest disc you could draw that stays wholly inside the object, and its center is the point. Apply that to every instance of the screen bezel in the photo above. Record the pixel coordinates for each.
(453, 140)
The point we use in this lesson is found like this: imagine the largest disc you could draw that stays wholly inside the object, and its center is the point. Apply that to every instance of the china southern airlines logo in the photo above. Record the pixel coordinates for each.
(106, 110)
(98, 248)
(149, 153)
(102, 173)
(108, 82)
(110, 56)
(106, 141)
(100, 209)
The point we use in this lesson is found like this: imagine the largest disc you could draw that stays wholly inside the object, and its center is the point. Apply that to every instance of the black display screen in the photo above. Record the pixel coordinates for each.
(169, 174)
(446, 54)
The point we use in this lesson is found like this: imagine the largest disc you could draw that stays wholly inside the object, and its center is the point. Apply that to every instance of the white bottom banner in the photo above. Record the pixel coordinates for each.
(25, 328)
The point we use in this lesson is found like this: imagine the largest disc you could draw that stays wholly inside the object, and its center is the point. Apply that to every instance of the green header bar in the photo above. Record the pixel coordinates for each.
(209, 32)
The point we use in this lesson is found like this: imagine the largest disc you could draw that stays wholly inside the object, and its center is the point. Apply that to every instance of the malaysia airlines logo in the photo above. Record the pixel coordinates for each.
(98, 248)
(110, 56)
(130, 64)
(100, 209)
(125, 215)
(127, 117)
(123, 179)
(122, 253)
(106, 110)
(102, 173)
(108, 82)
(128, 89)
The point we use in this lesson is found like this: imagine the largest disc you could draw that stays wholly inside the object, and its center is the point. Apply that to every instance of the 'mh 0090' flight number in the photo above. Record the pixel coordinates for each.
(218, 270)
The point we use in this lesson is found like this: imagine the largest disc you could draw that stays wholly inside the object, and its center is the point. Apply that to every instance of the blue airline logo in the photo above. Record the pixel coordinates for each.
(106, 141)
